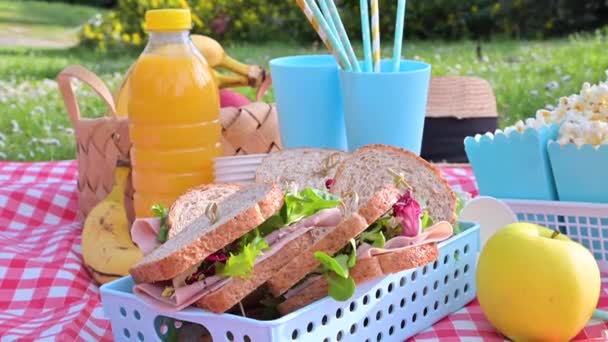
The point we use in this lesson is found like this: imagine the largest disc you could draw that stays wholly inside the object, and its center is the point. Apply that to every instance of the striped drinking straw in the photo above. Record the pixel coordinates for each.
(367, 46)
(342, 35)
(398, 35)
(375, 35)
(315, 24)
(330, 22)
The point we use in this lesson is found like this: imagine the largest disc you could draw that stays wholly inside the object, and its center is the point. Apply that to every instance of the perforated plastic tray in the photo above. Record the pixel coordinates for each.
(586, 223)
(391, 308)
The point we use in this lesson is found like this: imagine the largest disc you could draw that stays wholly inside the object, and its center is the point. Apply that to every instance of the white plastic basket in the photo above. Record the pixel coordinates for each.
(392, 308)
(586, 223)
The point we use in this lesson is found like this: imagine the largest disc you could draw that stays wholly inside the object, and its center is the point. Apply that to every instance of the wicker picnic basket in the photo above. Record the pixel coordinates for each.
(457, 107)
(102, 142)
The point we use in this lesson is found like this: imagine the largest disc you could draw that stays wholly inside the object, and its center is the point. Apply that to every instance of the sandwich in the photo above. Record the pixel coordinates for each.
(300, 167)
(150, 232)
(396, 208)
(317, 223)
(218, 258)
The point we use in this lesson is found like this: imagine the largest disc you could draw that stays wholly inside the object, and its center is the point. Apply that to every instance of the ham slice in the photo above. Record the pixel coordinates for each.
(183, 296)
(144, 232)
(441, 231)
(324, 218)
(438, 232)
(189, 294)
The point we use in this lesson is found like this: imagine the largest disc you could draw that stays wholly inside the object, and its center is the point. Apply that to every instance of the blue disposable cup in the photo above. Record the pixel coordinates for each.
(386, 107)
(309, 105)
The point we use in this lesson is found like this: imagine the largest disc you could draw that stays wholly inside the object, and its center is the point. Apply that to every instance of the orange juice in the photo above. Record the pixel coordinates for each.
(173, 110)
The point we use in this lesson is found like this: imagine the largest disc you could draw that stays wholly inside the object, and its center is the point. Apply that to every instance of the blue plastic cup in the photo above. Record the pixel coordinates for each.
(309, 105)
(386, 107)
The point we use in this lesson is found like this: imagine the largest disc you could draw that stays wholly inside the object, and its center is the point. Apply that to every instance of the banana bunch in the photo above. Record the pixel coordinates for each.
(107, 248)
(242, 75)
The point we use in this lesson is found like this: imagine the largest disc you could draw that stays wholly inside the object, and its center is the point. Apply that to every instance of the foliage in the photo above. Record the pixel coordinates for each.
(525, 76)
(280, 20)
(95, 3)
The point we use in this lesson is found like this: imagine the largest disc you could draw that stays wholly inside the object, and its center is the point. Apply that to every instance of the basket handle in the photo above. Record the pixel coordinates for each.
(263, 87)
(87, 77)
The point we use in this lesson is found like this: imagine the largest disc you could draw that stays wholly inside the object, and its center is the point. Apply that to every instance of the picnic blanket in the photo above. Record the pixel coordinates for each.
(47, 294)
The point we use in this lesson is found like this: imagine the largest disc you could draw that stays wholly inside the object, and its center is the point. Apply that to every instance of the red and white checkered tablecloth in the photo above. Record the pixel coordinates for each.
(47, 294)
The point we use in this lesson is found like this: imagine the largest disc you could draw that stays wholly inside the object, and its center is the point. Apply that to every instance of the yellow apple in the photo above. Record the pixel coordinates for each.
(536, 285)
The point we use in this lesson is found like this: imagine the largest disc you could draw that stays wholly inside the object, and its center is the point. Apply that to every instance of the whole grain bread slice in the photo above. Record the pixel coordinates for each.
(237, 288)
(373, 166)
(245, 210)
(364, 270)
(193, 203)
(335, 239)
(304, 167)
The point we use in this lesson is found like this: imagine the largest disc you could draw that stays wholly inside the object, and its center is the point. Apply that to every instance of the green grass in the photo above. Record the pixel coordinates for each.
(34, 123)
(41, 23)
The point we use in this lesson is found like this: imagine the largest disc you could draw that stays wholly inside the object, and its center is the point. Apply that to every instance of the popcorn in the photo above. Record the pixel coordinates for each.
(582, 118)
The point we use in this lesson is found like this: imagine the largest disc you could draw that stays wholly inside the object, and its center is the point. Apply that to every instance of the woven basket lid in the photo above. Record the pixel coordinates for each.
(461, 97)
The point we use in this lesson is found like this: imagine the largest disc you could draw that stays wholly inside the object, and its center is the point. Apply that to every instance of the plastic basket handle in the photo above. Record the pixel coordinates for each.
(89, 78)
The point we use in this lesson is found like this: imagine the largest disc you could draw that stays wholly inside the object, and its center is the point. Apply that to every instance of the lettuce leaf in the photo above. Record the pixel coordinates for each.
(241, 264)
(373, 235)
(340, 289)
(461, 201)
(297, 206)
(352, 257)
(306, 203)
(337, 265)
(335, 270)
(426, 220)
(159, 210)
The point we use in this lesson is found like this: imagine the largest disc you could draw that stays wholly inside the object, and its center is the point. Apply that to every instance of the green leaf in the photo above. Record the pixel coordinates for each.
(241, 264)
(337, 265)
(306, 203)
(352, 258)
(457, 229)
(459, 205)
(270, 225)
(159, 210)
(296, 207)
(427, 221)
(340, 289)
(376, 238)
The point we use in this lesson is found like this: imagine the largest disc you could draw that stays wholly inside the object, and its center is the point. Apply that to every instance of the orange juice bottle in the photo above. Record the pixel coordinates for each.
(173, 110)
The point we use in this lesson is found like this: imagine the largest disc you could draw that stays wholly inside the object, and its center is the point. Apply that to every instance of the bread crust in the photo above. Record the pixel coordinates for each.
(380, 147)
(238, 288)
(267, 171)
(365, 270)
(334, 240)
(229, 229)
(171, 216)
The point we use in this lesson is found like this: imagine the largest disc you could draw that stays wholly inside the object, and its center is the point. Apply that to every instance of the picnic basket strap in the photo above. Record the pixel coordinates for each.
(263, 88)
(89, 78)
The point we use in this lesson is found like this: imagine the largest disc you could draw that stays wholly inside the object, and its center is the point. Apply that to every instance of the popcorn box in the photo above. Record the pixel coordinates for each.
(513, 166)
(579, 172)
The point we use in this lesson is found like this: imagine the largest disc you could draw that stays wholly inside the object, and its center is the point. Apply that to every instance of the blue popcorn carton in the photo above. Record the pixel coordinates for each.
(514, 166)
(580, 172)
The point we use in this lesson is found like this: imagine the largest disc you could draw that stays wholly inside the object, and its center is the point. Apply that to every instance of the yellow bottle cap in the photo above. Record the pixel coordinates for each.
(168, 20)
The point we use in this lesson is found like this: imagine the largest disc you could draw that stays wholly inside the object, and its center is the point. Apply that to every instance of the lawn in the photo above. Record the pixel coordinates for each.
(37, 23)
(525, 75)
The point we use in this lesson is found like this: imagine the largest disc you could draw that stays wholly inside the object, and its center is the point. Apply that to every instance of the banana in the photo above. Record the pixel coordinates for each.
(107, 248)
(251, 75)
(244, 74)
